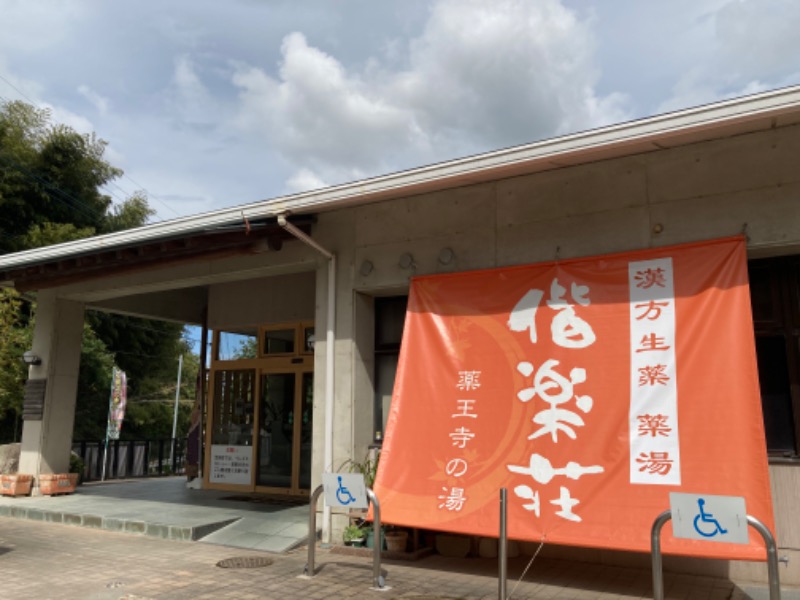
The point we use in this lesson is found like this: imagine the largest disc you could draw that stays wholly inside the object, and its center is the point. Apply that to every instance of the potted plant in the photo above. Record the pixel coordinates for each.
(367, 467)
(396, 540)
(76, 465)
(353, 536)
(369, 529)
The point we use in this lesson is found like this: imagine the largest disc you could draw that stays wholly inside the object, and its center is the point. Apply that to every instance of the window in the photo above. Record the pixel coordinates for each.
(390, 318)
(288, 340)
(237, 345)
(775, 299)
(279, 341)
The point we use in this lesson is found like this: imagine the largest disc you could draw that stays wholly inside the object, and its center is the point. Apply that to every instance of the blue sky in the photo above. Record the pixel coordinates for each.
(214, 104)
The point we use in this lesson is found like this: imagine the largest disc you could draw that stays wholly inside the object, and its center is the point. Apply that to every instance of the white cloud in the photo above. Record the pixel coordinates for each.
(32, 27)
(748, 46)
(99, 102)
(304, 180)
(235, 102)
(506, 72)
(190, 100)
(65, 116)
(477, 77)
(758, 40)
(317, 113)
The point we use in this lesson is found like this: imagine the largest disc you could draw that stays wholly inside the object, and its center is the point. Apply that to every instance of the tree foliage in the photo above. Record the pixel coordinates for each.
(48, 174)
(15, 337)
(51, 182)
(94, 386)
(148, 352)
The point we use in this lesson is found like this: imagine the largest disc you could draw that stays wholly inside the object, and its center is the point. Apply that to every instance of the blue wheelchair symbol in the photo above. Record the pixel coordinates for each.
(705, 524)
(343, 495)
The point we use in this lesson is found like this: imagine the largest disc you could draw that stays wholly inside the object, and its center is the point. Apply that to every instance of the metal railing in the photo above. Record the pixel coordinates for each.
(378, 581)
(769, 540)
(131, 458)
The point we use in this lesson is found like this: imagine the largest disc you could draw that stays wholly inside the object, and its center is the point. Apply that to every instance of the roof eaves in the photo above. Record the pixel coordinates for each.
(454, 172)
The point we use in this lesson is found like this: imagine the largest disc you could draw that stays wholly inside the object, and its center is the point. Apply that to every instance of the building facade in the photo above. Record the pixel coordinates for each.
(305, 295)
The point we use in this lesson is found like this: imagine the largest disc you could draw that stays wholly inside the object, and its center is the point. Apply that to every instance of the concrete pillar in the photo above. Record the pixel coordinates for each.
(46, 444)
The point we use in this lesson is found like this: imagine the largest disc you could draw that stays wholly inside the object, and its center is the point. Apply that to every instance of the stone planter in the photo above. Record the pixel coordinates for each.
(52, 484)
(15, 485)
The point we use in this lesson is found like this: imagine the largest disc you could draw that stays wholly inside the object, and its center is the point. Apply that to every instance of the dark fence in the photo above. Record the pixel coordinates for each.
(135, 458)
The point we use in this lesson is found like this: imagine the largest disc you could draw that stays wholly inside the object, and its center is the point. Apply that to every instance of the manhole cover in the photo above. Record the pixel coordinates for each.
(245, 562)
(428, 598)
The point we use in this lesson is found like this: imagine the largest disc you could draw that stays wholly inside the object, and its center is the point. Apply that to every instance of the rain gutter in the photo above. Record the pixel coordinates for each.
(330, 352)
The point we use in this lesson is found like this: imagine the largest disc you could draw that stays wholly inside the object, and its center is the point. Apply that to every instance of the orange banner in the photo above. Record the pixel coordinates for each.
(590, 389)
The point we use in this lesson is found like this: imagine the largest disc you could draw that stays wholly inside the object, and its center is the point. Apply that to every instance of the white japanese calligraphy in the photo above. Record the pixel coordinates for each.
(555, 389)
(469, 380)
(542, 471)
(452, 499)
(567, 329)
(567, 503)
(526, 493)
(465, 409)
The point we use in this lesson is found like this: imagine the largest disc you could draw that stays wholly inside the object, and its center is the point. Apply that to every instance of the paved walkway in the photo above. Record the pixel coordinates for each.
(42, 557)
(40, 560)
(165, 508)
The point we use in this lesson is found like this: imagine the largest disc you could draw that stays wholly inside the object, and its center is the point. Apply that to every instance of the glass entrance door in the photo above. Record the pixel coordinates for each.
(276, 436)
(232, 419)
(285, 431)
(306, 430)
(261, 409)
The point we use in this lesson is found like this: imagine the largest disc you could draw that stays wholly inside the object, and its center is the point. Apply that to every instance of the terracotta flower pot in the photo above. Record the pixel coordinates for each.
(15, 485)
(51, 484)
(396, 541)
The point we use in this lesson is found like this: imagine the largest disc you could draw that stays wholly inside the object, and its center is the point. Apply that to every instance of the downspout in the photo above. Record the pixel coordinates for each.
(330, 340)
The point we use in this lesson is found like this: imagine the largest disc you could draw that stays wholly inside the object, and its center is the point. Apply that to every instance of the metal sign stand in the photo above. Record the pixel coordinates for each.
(378, 582)
(502, 552)
(769, 540)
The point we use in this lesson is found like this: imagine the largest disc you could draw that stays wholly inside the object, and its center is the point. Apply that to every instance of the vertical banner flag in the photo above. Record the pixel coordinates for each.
(590, 388)
(116, 406)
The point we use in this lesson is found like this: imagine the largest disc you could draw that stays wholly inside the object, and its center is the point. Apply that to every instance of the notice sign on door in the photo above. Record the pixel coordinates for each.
(590, 389)
(231, 464)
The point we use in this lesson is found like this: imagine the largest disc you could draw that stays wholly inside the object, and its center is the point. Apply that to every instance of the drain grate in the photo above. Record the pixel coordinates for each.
(245, 562)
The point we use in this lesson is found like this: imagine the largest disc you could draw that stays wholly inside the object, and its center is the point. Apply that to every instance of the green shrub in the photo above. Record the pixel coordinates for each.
(76, 464)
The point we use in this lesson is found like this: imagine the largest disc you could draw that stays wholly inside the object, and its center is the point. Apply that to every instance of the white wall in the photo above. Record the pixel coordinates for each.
(277, 299)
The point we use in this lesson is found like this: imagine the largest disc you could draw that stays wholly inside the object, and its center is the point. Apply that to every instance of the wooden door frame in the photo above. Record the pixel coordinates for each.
(299, 362)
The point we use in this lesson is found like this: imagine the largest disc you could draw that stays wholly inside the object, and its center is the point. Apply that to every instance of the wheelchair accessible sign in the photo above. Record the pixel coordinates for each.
(345, 489)
(709, 518)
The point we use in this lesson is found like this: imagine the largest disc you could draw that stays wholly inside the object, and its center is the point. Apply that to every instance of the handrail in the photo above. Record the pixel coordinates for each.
(309, 570)
(377, 578)
(312, 531)
(769, 540)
